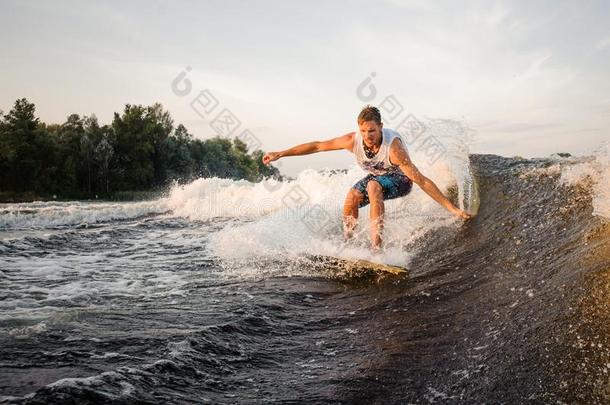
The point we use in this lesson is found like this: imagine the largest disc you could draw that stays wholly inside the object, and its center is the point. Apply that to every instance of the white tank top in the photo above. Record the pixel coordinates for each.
(380, 163)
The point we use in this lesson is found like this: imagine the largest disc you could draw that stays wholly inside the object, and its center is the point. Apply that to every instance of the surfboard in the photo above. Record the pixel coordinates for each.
(358, 266)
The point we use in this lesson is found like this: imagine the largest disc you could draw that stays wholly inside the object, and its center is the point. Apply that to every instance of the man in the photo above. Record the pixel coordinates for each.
(382, 154)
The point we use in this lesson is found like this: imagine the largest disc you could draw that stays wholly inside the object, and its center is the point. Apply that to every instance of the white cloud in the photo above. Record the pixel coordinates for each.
(603, 44)
(293, 73)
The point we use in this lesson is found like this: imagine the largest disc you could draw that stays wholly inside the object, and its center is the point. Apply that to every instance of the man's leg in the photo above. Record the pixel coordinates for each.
(350, 212)
(375, 193)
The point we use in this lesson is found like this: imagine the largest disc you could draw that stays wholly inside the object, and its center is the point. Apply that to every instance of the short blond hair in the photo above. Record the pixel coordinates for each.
(369, 113)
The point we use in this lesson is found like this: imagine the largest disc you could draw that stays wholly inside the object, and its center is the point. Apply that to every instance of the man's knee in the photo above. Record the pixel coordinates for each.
(354, 197)
(374, 190)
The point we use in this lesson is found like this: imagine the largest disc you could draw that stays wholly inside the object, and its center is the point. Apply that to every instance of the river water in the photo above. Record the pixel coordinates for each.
(204, 295)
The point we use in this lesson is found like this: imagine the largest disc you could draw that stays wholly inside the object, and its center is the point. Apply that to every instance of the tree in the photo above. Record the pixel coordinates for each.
(180, 164)
(103, 155)
(160, 126)
(134, 149)
(21, 148)
(69, 138)
(89, 139)
(140, 150)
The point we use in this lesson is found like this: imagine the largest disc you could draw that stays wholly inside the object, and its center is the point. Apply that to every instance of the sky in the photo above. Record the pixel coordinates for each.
(529, 78)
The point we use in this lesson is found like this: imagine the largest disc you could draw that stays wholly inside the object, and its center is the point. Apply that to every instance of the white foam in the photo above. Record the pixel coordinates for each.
(593, 170)
(576, 172)
(42, 286)
(27, 331)
(294, 229)
(209, 198)
(98, 383)
(39, 215)
(597, 169)
(601, 189)
(303, 216)
(537, 172)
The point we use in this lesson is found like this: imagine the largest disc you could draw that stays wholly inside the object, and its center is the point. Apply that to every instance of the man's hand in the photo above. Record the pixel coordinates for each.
(270, 157)
(461, 213)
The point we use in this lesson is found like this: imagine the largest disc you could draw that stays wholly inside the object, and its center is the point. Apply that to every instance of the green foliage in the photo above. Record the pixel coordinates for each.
(24, 149)
(140, 151)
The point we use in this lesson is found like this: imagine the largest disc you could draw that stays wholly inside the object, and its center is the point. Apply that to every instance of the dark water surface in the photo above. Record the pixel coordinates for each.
(512, 307)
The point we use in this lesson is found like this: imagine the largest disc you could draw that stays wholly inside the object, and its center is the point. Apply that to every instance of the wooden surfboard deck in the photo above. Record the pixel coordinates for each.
(358, 266)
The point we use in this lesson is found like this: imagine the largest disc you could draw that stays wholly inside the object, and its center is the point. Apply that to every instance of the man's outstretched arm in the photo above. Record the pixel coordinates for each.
(341, 142)
(400, 157)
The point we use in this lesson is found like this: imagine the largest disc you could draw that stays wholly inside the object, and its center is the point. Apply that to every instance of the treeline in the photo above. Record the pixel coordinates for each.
(141, 150)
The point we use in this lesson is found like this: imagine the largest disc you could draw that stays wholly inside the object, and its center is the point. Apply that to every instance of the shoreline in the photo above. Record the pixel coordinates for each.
(29, 197)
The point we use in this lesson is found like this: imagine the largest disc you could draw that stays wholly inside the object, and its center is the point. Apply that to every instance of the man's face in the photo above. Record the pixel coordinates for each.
(371, 133)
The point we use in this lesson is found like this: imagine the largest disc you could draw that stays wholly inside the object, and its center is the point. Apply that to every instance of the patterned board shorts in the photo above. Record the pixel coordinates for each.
(394, 185)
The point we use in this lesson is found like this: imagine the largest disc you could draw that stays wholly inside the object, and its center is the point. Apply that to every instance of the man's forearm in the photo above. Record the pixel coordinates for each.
(303, 149)
(432, 190)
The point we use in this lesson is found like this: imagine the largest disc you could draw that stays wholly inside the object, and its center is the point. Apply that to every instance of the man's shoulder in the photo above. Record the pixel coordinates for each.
(348, 140)
(349, 136)
(397, 145)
